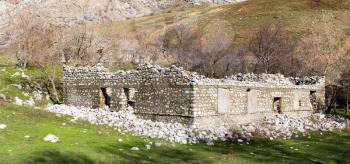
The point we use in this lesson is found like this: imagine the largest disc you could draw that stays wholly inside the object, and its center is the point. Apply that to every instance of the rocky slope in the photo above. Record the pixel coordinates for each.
(67, 13)
(70, 12)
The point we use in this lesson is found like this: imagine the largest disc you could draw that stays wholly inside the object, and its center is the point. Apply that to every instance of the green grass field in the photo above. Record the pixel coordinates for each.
(82, 142)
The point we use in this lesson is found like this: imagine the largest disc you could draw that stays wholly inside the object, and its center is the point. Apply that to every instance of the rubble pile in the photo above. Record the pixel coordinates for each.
(277, 126)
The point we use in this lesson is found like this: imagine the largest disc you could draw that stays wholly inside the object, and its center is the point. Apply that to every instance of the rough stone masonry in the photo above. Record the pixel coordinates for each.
(175, 95)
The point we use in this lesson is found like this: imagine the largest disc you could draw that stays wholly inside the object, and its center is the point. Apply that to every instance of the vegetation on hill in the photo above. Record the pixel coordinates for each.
(296, 38)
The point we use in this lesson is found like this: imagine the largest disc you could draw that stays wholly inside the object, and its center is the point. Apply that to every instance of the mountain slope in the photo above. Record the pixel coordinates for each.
(70, 12)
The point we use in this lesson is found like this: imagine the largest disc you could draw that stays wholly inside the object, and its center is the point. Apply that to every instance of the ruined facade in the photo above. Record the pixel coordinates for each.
(175, 95)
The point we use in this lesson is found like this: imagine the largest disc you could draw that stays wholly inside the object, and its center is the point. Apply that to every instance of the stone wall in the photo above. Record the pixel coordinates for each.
(248, 104)
(175, 95)
(248, 98)
(157, 93)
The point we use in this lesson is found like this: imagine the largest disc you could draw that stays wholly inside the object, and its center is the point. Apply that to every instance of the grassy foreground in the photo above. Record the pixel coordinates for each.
(82, 142)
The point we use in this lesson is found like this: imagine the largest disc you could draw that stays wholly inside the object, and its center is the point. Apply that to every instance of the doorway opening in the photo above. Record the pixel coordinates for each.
(277, 104)
(129, 94)
(313, 100)
(105, 98)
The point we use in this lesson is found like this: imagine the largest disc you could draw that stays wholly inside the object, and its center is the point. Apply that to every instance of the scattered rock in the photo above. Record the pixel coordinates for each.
(19, 86)
(210, 143)
(23, 75)
(16, 74)
(51, 138)
(2, 126)
(37, 95)
(3, 97)
(158, 144)
(29, 102)
(272, 127)
(135, 149)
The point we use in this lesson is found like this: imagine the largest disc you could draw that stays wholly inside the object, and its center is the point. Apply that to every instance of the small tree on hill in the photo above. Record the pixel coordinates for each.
(344, 83)
(83, 47)
(31, 34)
(270, 47)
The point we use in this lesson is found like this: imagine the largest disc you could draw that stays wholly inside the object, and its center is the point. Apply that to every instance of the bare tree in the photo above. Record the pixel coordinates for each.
(31, 35)
(216, 47)
(268, 45)
(84, 47)
(182, 35)
(52, 73)
(344, 83)
(322, 51)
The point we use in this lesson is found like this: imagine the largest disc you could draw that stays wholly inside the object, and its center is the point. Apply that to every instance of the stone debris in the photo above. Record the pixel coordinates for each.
(51, 138)
(192, 78)
(135, 149)
(16, 74)
(3, 126)
(210, 143)
(23, 75)
(277, 79)
(37, 95)
(29, 102)
(19, 86)
(3, 97)
(18, 101)
(276, 126)
(283, 126)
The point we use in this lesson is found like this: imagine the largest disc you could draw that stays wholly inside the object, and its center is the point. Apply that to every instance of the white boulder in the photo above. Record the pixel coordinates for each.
(51, 138)
(135, 149)
(3, 126)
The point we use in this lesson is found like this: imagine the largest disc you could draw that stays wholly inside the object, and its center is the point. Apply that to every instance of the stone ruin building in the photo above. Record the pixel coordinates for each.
(175, 95)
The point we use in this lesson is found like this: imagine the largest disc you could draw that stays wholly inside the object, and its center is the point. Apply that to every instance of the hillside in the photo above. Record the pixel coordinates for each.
(237, 18)
(301, 19)
(69, 13)
(322, 25)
